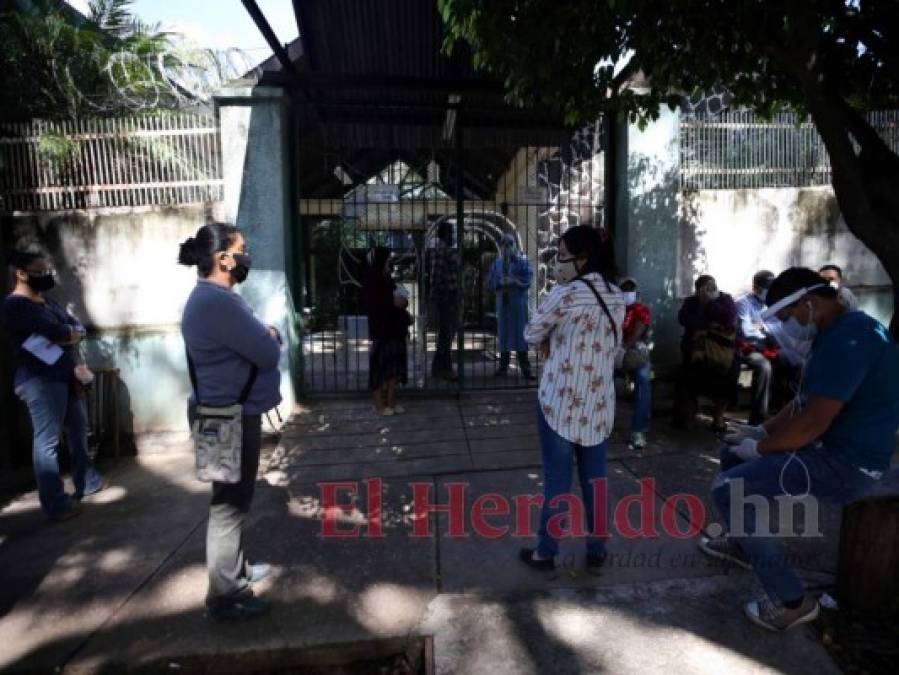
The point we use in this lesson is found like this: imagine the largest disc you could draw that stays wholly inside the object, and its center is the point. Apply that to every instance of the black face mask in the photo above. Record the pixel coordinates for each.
(41, 282)
(242, 267)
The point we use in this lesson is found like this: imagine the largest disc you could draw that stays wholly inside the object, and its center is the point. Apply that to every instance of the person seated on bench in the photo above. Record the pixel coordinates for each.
(831, 443)
(834, 274)
(761, 351)
(633, 359)
(708, 347)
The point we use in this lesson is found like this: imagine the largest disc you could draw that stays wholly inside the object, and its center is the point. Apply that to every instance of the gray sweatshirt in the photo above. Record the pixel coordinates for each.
(224, 338)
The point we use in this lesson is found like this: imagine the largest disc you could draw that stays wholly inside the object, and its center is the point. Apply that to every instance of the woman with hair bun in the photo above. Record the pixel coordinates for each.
(578, 328)
(224, 341)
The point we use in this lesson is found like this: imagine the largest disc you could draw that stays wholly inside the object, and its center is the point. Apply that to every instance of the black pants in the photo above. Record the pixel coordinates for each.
(524, 363)
(447, 324)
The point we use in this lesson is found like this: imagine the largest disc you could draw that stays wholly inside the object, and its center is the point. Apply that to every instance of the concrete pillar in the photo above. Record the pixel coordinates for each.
(647, 223)
(256, 156)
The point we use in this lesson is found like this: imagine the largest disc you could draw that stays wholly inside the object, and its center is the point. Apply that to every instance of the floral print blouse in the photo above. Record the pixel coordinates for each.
(577, 391)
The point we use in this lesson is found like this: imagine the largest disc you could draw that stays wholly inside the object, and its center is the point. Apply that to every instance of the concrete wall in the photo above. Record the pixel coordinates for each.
(647, 222)
(666, 238)
(257, 161)
(118, 274)
(732, 233)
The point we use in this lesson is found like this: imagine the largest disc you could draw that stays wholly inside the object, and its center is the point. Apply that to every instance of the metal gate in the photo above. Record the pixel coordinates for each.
(358, 197)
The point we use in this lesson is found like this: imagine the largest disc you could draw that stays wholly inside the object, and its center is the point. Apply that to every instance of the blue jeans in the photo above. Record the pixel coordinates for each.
(642, 398)
(830, 480)
(55, 408)
(558, 456)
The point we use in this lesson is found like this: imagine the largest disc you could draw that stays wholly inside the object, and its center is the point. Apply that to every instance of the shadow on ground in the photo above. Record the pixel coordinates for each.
(122, 587)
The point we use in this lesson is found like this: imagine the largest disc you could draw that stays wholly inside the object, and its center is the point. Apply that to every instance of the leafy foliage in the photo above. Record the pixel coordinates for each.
(55, 64)
(564, 53)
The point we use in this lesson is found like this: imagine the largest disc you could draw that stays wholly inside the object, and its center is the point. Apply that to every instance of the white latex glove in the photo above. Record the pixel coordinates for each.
(747, 450)
(742, 431)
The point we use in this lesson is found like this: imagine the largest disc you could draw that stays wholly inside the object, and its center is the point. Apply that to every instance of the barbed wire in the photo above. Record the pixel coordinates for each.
(174, 77)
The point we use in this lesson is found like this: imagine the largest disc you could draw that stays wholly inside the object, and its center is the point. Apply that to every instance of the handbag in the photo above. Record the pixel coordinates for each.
(636, 357)
(217, 433)
(715, 348)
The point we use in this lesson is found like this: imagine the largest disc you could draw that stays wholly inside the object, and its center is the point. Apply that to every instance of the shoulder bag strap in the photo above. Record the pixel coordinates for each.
(193, 375)
(245, 394)
(602, 303)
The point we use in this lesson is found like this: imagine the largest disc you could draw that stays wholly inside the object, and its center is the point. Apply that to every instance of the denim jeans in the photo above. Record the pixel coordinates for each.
(830, 480)
(762, 371)
(559, 455)
(642, 398)
(55, 409)
(226, 562)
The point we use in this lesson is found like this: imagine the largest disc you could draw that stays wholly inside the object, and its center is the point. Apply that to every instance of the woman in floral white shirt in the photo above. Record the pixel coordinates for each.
(579, 325)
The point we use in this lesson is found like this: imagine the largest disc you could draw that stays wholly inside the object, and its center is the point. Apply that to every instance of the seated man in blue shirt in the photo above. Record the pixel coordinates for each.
(755, 343)
(831, 443)
(764, 349)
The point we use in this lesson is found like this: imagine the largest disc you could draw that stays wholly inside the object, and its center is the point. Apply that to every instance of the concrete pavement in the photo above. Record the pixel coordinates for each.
(122, 586)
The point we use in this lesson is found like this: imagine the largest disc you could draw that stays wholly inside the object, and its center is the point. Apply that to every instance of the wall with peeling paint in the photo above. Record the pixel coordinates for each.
(731, 234)
(118, 273)
(666, 237)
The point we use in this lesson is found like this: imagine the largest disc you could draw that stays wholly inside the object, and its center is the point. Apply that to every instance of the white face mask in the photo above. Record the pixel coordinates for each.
(834, 284)
(565, 270)
(797, 331)
(630, 297)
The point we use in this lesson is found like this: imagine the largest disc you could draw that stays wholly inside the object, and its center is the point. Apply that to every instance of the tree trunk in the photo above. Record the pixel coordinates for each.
(869, 556)
(864, 182)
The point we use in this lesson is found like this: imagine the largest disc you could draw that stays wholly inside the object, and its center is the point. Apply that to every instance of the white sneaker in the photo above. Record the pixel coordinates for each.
(774, 616)
(398, 410)
(386, 411)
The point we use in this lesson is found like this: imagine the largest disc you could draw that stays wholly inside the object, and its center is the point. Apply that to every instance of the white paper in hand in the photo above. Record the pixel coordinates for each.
(43, 349)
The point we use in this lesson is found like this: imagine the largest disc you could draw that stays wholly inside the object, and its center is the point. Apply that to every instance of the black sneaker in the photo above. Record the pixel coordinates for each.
(71, 511)
(595, 563)
(526, 555)
(243, 605)
(723, 548)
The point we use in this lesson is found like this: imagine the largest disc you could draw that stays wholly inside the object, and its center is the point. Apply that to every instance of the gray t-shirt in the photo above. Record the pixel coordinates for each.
(224, 337)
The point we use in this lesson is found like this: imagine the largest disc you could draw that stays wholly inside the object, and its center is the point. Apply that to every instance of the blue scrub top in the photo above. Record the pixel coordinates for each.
(856, 361)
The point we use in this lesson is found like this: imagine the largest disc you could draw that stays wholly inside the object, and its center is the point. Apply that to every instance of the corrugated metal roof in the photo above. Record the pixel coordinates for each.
(374, 77)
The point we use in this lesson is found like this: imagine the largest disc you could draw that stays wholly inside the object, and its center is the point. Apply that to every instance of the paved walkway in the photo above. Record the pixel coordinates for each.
(123, 585)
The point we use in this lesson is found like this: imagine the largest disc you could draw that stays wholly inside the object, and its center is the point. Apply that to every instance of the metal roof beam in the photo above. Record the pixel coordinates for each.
(339, 81)
(307, 39)
(272, 40)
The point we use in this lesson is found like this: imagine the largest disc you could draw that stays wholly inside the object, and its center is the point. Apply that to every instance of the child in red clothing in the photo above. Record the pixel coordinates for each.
(634, 355)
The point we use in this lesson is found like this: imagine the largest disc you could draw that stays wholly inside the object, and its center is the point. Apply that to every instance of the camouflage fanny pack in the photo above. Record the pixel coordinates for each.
(217, 433)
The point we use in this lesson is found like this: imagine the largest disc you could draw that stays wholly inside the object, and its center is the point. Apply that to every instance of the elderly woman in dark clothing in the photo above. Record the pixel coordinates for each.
(388, 329)
(708, 348)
